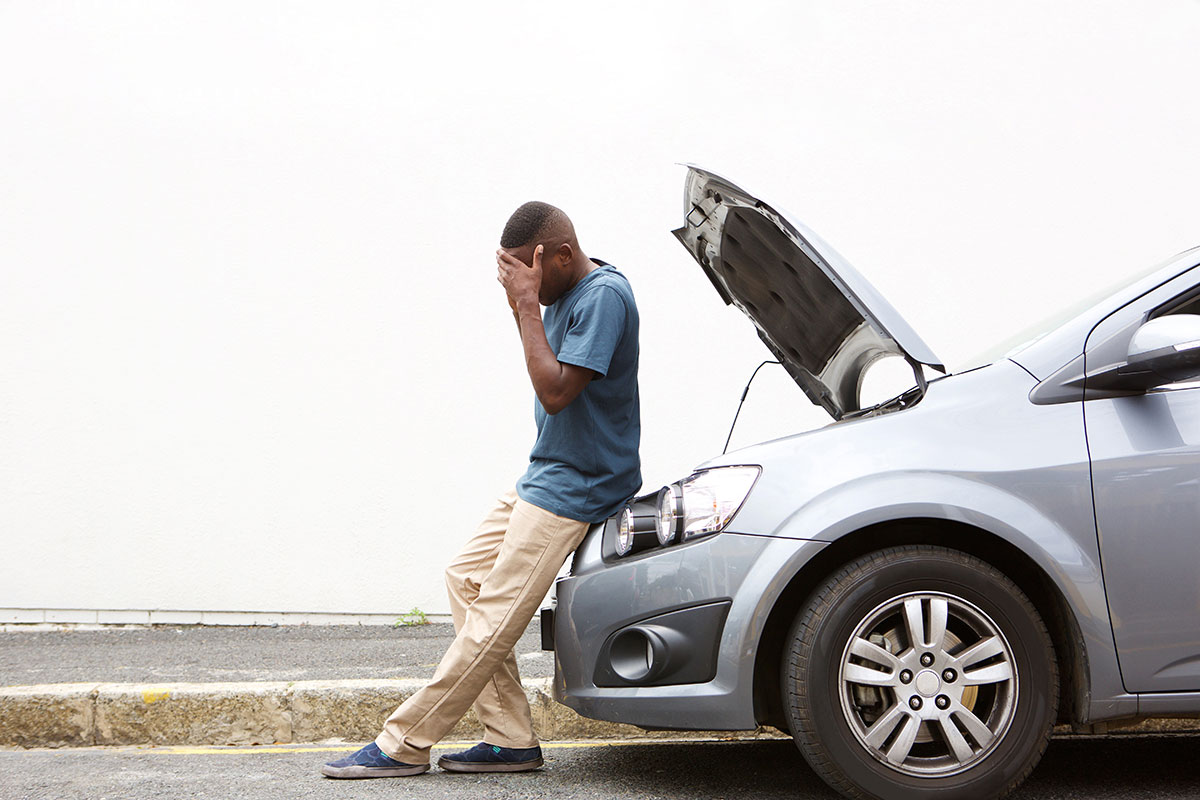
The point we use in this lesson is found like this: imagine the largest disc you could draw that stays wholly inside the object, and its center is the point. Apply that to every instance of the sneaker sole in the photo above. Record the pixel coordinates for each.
(487, 766)
(358, 771)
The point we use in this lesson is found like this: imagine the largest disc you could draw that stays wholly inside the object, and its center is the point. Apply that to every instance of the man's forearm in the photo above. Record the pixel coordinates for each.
(555, 383)
(545, 371)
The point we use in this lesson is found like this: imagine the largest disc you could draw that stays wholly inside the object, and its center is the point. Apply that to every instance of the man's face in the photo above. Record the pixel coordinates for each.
(553, 269)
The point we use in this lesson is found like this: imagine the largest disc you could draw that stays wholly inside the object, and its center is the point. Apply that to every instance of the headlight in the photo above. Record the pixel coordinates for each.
(625, 532)
(636, 531)
(700, 505)
(711, 497)
(670, 512)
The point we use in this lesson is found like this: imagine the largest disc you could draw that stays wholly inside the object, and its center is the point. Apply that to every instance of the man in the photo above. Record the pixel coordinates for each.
(582, 359)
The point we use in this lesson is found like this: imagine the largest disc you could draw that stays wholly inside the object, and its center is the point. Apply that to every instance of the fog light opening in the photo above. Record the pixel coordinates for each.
(634, 656)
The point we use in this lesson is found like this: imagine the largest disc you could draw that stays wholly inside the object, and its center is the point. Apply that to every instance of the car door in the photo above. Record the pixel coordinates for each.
(1145, 455)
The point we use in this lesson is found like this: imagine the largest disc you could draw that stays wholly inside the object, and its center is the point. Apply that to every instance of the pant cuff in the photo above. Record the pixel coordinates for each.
(394, 749)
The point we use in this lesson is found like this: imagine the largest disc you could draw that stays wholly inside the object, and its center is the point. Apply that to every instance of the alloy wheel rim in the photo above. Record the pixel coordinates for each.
(928, 684)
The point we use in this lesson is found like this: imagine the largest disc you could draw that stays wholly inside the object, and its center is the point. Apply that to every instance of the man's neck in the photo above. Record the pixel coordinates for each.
(581, 265)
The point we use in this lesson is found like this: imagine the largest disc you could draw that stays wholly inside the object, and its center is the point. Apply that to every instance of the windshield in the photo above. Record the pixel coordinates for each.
(1027, 336)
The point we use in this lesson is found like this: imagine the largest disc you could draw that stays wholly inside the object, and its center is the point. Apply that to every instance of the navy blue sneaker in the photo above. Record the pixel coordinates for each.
(371, 762)
(485, 757)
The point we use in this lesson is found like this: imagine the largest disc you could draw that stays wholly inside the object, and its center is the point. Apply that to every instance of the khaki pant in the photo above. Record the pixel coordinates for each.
(495, 584)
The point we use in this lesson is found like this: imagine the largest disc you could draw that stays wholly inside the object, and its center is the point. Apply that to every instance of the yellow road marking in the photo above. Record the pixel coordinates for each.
(154, 695)
(211, 751)
(349, 748)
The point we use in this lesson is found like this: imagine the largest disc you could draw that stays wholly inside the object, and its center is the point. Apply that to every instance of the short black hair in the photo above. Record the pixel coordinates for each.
(527, 222)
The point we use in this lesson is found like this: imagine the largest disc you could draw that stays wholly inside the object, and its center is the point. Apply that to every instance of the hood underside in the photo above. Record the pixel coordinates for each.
(823, 321)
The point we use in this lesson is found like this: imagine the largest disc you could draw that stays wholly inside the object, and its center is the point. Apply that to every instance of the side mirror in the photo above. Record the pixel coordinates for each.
(1164, 350)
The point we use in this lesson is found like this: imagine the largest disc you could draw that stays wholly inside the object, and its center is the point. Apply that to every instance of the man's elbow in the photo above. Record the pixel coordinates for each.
(557, 395)
(554, 404)
(556, 399)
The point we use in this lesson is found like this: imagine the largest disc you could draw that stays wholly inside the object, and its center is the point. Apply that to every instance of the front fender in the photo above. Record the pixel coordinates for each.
(1059, 538)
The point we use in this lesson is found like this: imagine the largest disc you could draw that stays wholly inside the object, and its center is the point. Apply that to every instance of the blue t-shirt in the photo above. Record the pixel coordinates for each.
(584, 464)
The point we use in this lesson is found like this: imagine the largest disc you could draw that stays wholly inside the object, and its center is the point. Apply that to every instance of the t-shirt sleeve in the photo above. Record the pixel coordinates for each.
(593, 330)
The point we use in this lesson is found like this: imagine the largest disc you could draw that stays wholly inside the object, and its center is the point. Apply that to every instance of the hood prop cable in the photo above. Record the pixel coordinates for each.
(745, 392)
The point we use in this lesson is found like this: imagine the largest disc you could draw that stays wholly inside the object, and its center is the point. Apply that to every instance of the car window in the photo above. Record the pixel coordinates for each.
(1188, 303)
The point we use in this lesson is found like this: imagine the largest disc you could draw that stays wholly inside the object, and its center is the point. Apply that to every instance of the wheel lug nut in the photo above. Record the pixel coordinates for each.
(927, 659)
(905, 676)
(949, 676)
(915, 703)
(942, 701)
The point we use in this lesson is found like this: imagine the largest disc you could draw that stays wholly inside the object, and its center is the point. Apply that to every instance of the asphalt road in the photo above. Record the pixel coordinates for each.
(1093, 768)
(205, 654)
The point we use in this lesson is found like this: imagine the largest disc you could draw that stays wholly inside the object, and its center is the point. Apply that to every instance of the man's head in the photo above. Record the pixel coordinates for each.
(537, 223)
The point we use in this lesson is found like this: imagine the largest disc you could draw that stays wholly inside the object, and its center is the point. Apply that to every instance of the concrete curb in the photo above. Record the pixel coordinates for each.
(87, 714)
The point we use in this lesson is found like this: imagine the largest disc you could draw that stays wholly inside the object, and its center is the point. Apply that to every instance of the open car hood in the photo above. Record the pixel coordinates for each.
(820, 318)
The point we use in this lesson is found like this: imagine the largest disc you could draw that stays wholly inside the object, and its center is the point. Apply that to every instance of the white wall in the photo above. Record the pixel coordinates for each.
(252, 353)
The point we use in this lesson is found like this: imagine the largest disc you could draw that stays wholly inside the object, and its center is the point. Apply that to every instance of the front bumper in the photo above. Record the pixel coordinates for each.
(666, 638)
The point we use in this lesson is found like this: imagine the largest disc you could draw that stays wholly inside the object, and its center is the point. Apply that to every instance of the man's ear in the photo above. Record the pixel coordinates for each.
(564, 253)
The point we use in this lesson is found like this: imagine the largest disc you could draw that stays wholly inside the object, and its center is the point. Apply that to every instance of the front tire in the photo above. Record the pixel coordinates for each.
(919, 672)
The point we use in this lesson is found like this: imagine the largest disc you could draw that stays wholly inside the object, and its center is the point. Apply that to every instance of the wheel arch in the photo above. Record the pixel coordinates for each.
(1038, 586)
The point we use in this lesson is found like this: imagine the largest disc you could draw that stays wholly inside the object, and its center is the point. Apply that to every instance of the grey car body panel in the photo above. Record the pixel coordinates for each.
(1172, 704)
(1146, 458)
(1023, 476)
(823, 320)
(600, 598)
(1003, 449)
(1146, 471)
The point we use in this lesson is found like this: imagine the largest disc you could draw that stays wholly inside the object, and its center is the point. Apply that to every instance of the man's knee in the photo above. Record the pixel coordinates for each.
(459, 583)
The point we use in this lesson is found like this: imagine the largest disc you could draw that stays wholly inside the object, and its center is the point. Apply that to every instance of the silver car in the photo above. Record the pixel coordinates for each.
(920, 590)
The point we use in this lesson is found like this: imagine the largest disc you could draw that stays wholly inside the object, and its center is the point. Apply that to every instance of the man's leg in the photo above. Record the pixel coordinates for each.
(501, 707)
(463, 577)
(535, 546)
